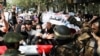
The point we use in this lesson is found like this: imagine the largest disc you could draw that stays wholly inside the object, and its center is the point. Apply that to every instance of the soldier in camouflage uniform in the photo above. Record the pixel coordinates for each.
(11, 40)
(64, 42)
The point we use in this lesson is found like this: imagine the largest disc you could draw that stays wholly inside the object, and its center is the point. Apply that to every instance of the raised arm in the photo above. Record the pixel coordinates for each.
(95, 36)
(5, 26)
(94, 17)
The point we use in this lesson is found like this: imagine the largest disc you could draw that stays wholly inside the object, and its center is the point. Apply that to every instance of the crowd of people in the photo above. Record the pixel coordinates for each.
(70, 34)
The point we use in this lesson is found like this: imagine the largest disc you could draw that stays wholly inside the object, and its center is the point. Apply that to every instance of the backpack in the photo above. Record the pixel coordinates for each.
(64, 50)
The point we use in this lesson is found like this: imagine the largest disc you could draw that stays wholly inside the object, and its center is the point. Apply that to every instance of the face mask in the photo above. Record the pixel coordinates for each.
(22, 30)
(39, 30)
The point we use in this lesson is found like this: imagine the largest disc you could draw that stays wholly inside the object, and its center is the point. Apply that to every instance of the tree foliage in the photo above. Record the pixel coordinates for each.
(40, 4)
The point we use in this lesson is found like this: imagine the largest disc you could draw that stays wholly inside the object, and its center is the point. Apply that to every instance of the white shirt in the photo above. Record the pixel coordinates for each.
(31, 32)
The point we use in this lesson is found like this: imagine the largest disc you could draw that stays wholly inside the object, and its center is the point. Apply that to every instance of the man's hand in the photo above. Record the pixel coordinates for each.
(39, 34)
(95, 36)
(50, 36)
(94, 17)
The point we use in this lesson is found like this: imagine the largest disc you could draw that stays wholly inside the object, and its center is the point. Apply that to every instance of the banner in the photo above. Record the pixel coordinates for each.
(58, 19)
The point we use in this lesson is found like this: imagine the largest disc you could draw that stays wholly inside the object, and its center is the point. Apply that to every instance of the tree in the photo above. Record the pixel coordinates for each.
(41, 4)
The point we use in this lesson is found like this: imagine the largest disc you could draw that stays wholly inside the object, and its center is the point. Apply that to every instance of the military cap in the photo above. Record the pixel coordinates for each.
(62, 32)
(12, 37)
